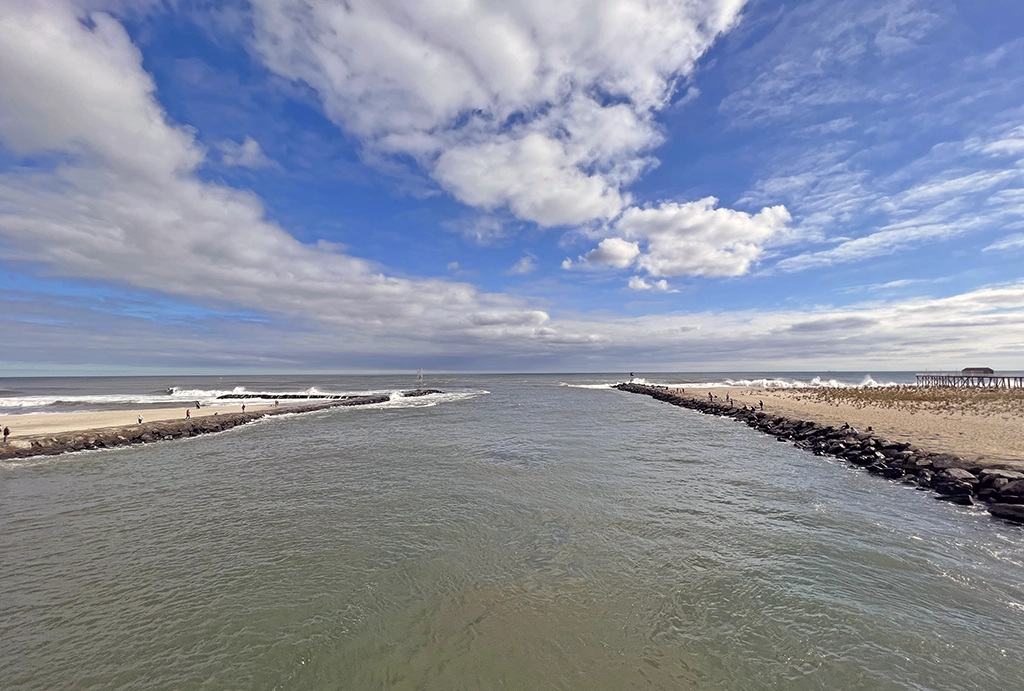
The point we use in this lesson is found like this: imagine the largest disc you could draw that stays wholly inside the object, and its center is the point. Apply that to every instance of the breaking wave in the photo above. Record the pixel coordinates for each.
(62, 403)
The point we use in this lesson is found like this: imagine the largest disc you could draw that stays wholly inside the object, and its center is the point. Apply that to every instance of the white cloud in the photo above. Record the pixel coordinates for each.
(453, 266)
(544, 108)
(610, 252)
(691, 239)
(1009, 143)
(698, 239)
(944, 202)
(525, 265)
(248, 154)
(533, 176)
(125, 205)
(68, 89)
(1009, 243)
(638, 283)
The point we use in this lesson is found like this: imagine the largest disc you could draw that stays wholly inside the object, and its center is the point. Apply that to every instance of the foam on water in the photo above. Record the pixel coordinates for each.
(207, 397)
(783, 383)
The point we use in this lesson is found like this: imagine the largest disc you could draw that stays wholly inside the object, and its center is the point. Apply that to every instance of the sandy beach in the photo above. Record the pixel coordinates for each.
(984, 425)
(27, 426)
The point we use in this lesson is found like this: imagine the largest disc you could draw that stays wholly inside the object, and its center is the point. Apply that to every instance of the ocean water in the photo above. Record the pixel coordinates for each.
(519, 532)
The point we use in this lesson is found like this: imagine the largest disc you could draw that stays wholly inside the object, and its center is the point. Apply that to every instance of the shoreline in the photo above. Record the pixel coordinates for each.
(54, 436)
(997, 482)
(982, 425)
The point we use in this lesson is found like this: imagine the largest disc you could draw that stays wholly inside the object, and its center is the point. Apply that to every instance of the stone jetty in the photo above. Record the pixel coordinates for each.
(951, 477)
(149, 432)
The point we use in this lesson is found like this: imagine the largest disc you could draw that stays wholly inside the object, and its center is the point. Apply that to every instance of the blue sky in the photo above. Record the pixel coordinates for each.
(285, 185)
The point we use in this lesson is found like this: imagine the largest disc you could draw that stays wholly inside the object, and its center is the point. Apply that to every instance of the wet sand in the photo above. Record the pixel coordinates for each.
(983, 425)
(27, 426)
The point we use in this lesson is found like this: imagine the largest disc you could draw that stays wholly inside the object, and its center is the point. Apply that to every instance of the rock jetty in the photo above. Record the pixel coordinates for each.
(166, 430)
(951, 477)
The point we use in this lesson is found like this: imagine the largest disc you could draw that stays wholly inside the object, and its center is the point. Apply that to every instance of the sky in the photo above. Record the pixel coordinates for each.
(501, 185)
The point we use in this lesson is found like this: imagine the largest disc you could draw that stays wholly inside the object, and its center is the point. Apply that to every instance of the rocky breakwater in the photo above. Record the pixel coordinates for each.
(952, 478)
(166, 430)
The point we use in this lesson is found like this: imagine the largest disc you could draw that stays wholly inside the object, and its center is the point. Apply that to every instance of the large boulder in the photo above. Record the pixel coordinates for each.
(1010, 512)
(953, 488)
(998, 477)
(948, 460)
(958, 474)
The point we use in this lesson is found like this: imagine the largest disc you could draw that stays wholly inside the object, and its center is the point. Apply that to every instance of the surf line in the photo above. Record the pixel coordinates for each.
(952, 478)
(166, 430)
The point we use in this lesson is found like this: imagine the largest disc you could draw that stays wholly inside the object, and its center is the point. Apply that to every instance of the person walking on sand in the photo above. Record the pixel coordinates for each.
(243, 407)
(761, 403)
(7, 433)
(188, 414)
(140, 418)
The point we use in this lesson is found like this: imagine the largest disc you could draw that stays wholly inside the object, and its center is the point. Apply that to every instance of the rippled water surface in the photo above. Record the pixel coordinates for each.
(534, 537)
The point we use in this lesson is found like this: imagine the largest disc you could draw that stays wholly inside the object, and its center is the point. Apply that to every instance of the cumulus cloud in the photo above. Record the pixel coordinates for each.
(691, 239)
(125, 203)
(546, 109)
(248, 154)
(638, 283)
(610, 252)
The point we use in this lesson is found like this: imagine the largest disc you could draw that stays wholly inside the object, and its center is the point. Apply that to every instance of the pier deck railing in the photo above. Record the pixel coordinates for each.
(998, 380)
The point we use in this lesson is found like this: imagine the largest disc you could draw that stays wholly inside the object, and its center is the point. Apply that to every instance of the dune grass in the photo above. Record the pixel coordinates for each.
(924, 399)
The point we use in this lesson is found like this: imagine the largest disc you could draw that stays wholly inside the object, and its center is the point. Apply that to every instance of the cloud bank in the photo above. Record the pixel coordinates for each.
(544, 109)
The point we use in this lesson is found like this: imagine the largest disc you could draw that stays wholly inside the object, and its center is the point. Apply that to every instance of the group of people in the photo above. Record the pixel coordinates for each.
(730, 400)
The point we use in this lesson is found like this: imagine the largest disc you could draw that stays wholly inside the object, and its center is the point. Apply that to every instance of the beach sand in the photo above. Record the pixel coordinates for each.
(26, 426)
(983, 425)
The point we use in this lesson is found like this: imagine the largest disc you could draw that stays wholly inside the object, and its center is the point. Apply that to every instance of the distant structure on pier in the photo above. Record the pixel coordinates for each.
(973, 377)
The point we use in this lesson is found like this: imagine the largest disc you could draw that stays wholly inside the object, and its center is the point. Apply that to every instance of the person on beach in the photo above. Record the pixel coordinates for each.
(188, 414)
(761, 403)
(140, 418)
(710, 397)
(7, 433)
(243, 407)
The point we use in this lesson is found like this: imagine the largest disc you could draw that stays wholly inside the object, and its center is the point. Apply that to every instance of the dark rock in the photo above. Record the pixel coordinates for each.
(1010, 512)
(1000, 472)
(948, 460)
(958, 474)
(953, 488)
(962, 499)
(954, 479)
(1013, 487)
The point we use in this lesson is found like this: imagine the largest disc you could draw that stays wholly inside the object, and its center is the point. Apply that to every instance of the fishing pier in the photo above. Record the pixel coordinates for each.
(973, 377)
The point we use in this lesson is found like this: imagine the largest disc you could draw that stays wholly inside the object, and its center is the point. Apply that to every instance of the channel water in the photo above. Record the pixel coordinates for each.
(523, 532)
